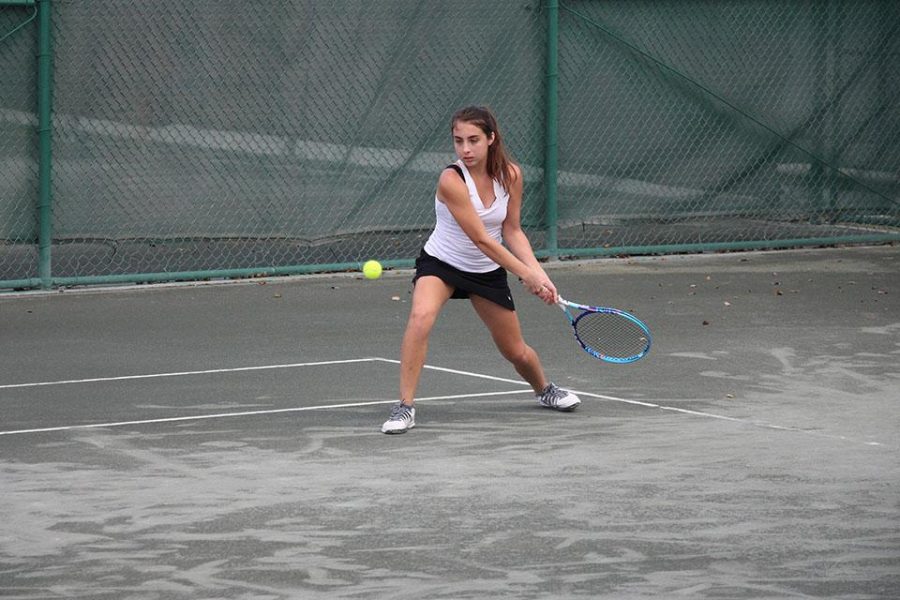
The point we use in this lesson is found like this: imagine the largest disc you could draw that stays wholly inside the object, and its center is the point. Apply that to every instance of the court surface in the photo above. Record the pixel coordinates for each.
(222, 440)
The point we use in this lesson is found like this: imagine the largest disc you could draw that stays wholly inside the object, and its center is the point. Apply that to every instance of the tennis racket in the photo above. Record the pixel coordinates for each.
(609, 334)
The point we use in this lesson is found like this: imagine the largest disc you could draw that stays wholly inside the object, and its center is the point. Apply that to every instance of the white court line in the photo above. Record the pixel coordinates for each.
(695, 413)
(708, 415)
(183, 373)
(248, 413)
(458, 372)
(387, 360)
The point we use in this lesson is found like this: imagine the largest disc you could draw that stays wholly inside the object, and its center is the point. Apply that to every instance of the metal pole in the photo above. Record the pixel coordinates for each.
(45, 109)
(551, 157)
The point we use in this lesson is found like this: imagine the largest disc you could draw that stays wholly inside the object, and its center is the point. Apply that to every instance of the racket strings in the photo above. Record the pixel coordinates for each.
(611, 334)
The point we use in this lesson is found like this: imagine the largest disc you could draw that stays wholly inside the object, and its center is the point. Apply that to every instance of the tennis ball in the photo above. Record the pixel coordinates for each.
(372, 269)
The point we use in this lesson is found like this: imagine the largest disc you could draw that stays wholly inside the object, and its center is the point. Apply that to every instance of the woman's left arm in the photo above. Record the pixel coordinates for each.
(515, 239)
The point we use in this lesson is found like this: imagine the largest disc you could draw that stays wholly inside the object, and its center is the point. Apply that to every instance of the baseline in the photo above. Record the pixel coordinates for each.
(752, 423)
(695, 413)
(248, 413)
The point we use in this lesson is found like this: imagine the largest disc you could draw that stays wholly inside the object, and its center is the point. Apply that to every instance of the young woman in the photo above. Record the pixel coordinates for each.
(478, 206)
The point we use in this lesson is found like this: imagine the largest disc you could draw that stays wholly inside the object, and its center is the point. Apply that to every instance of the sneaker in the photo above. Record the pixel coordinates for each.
(402, 419)
(557, 398)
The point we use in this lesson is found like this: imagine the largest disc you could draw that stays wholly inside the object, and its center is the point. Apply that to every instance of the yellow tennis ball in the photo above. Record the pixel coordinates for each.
(372, 269)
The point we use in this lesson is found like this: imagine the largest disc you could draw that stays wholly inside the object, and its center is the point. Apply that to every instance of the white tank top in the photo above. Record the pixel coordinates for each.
(449, 243)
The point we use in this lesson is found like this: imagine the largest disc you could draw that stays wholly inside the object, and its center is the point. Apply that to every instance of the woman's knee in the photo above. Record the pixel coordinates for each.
(517, 354)
(421, 319)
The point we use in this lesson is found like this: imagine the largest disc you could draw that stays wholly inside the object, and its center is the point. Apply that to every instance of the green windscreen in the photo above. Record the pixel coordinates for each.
(231, 137)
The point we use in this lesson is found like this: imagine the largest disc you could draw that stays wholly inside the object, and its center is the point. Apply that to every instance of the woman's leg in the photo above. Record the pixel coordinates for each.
(429, 297)
(507, 334)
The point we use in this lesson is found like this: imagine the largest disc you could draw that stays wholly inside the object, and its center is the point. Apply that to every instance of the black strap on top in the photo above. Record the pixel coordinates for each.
(456, 168)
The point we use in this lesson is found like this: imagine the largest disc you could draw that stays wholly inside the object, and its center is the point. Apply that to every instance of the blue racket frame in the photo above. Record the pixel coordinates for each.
(565, 305)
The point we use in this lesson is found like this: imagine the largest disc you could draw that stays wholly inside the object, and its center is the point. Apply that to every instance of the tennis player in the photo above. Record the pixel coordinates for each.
(477, 238)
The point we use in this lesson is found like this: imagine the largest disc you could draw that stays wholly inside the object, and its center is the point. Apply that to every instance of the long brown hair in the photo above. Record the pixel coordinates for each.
(499, 163)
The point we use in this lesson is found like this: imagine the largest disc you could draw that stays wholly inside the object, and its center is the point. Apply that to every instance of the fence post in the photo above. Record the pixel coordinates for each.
(551, 151)
(45, 109)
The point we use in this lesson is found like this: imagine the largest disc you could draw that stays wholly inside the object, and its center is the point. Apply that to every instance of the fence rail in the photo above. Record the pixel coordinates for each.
(214, 139)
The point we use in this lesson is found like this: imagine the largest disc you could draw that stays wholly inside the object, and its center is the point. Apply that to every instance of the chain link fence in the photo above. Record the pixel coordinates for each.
(728, 123)
(230, 138)
(18, 142)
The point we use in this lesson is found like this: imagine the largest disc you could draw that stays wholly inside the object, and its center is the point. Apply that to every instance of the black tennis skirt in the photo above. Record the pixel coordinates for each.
(491, 285)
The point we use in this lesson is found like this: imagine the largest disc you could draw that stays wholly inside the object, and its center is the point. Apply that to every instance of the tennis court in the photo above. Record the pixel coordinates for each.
(221, 440)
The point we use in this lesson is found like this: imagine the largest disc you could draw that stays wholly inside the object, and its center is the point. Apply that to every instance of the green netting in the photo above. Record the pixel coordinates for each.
(727, 122)
(18, 142)
(229, 137)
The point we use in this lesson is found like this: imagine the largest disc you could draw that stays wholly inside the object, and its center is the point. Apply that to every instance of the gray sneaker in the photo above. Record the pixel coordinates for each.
(557, 398)
(402, 419)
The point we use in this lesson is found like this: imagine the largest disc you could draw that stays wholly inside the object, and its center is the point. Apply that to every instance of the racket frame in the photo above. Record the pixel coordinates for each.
(586, 309)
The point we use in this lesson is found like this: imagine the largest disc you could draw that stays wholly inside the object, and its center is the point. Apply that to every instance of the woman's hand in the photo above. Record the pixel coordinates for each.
(540, 285)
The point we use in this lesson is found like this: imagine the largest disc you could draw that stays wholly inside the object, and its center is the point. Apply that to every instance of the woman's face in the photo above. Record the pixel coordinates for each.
(471, 143)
